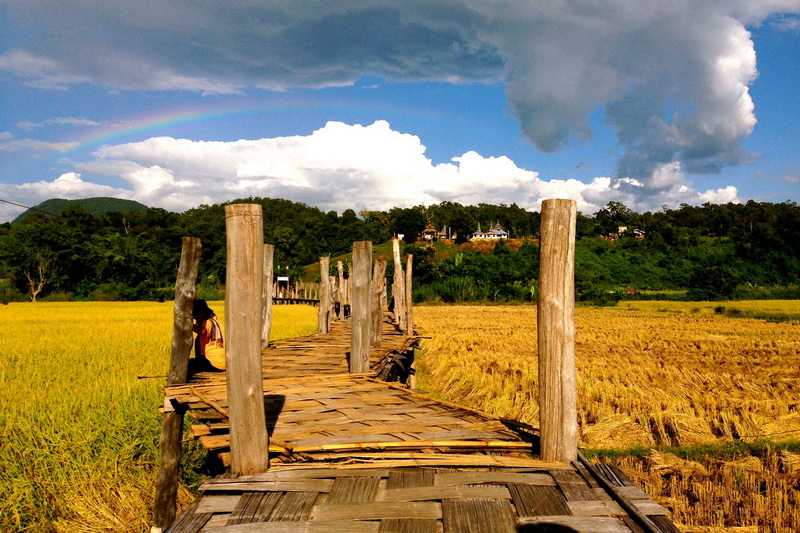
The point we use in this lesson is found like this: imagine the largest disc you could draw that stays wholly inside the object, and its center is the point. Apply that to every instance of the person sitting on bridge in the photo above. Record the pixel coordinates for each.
(209, 346)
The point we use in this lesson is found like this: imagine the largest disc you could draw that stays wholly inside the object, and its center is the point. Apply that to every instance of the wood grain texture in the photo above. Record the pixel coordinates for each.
(556, 332)
(249, 440)
(169, 444)
(361, 307)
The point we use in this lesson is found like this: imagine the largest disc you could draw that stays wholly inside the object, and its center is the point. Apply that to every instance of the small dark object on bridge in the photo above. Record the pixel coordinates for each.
(395, 366)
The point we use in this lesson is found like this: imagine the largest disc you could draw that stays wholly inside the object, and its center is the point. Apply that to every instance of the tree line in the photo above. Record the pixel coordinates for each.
(699, 252)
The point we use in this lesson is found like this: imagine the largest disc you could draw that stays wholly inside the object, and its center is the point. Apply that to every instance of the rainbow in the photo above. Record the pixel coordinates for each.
(160, 123)
(150, 125)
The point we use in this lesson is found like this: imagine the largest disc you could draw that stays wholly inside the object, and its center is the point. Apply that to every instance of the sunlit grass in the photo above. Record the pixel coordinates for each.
(78, 427)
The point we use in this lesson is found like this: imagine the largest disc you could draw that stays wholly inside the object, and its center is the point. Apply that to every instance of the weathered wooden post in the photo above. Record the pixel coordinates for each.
(340, 269)
(556, 328)
(169, 444)
(267, 295)
(378, 282)
(398, 287)
(361, 310)
(409, 295)
(249, 440)
(323, 318)
(334, 289)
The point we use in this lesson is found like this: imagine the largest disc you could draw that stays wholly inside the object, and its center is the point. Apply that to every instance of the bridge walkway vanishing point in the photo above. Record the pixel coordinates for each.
(351, 453)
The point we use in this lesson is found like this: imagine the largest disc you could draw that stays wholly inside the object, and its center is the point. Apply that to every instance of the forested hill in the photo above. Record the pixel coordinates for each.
(95, 206)
(712, 250)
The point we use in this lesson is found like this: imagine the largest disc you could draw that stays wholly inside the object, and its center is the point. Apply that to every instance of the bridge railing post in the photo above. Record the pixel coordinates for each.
(267, 294)
(249, 440)
(169, 444)
(556, 332)
(361, 311)
(409, 299)
(378, 289)
(398, 286)
(341, 292)
(323, 316)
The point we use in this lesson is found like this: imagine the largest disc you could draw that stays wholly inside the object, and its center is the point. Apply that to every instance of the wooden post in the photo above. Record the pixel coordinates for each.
(361, 311)
(340, 268)
(378, 282)
(249, 440)
(398, 287)
(409, 296)
(169, 444)
(558, 417)
(332, 312)
(323, 321)
(266, 296)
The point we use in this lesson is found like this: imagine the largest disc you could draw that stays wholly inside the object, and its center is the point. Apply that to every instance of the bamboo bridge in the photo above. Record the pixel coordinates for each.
(347, 446)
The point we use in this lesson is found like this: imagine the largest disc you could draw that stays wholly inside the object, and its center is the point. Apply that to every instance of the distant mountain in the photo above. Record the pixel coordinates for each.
(96, 206)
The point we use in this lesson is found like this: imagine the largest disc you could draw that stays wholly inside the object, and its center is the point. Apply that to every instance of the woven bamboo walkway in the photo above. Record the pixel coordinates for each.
(350, 453)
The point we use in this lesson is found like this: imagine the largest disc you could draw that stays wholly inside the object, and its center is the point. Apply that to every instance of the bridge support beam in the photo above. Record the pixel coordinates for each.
(556, 332)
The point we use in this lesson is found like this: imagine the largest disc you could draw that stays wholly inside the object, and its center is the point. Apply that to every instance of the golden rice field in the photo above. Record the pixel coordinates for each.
(674, 378)
(78, 427)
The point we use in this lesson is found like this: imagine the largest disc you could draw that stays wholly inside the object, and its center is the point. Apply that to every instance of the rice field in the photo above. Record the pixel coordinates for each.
(680, 381)
(697, 407)
(80, 385)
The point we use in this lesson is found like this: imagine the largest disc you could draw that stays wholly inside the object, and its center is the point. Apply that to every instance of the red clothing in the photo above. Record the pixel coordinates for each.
(210, 343)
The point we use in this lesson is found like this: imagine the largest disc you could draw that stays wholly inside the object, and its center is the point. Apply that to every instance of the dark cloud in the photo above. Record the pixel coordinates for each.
(673, 77)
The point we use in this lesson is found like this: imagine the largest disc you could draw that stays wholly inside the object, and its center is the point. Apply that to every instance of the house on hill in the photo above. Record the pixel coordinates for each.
(494, 232)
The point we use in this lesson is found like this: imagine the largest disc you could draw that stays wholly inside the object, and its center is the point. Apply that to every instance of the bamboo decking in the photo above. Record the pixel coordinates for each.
(350, 453)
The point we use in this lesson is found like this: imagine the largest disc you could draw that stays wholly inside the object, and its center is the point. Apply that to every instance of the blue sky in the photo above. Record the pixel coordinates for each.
(374, 104)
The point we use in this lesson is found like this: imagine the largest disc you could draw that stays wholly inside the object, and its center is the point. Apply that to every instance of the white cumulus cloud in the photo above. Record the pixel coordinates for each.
(338, 167)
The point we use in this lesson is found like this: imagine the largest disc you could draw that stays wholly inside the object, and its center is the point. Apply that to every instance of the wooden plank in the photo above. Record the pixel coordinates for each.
(394, 525)
(426, 459)
(299, 527)
(573, 486)
(218, 503)
(378, 511)
(253, 507)
(633, 492)
(297, 474)
(412, 494)
(469, 478)
(665, 524)
(576, 524)
(477, 514)
(190, 521)
(536, 500)
(389, 442)
(596, 508)
(316, 485)
(409, 477)
(294, 507)
(650, 508)
(352, 489)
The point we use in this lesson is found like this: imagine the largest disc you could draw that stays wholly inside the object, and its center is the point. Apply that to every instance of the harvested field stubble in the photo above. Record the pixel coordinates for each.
(645, 378)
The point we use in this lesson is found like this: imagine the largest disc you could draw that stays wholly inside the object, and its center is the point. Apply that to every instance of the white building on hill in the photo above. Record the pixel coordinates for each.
(495, 232)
